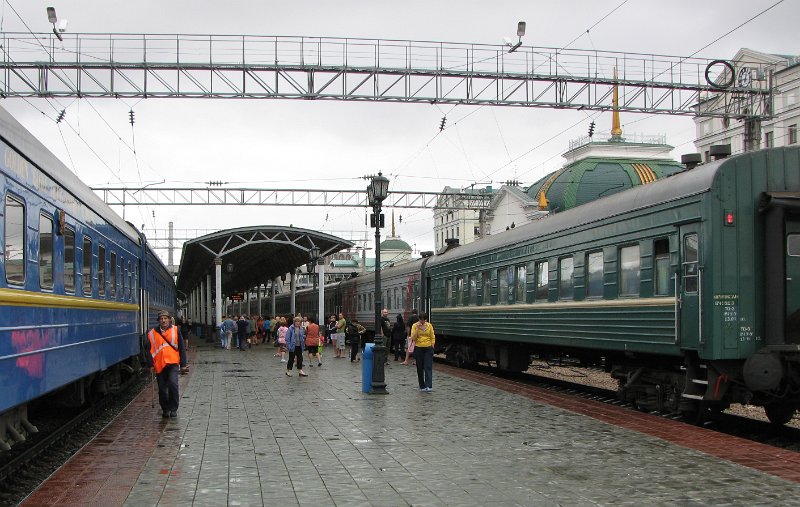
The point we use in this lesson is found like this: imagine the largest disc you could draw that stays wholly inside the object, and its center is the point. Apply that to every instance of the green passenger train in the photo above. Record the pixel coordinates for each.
(686, 289)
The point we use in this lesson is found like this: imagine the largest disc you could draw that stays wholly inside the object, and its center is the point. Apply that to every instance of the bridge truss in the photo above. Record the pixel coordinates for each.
(317, 68)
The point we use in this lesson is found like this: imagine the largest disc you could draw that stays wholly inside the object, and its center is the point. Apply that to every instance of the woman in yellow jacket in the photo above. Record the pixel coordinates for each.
(424, 339)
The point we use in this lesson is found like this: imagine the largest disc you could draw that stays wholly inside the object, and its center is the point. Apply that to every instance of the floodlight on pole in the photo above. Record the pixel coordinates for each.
(520, 32)
(59, 27)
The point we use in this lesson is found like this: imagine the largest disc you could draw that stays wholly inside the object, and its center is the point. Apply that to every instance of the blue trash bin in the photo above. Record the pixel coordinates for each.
(366, 368)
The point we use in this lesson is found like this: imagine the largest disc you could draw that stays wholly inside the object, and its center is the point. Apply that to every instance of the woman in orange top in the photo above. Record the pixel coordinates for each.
(313, 342)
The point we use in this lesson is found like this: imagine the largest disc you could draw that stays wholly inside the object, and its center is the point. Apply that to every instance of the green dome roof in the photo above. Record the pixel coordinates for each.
(395, 244)
(591, 178)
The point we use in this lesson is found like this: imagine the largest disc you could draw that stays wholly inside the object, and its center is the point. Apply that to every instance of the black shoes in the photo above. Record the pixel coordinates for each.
(173, 414)
(164, 414)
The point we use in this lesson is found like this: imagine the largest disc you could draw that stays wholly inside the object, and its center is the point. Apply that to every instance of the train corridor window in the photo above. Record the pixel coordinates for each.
(521, 278)
(112, 275)
(69, 260)
(448, 292)
(542, 280)
(123, 270)
(45, 252)
(566, 278)
(661, 265)
(86, 271)
(594, 275)
(690, 263)
(460, 291)
(486, 292)
(472, 286)
(14, 241)
(502, 285)
(793, 245)
(629, 272)
(101, 270)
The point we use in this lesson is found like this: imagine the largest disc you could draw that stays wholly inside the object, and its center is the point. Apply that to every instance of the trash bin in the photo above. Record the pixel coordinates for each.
(366, 368)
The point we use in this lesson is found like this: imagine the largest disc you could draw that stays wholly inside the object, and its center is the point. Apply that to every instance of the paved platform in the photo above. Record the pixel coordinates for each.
(248, 435)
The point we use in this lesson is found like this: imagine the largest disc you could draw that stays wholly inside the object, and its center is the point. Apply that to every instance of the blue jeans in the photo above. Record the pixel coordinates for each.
(222, 338)
(168, 395)
(424, 358)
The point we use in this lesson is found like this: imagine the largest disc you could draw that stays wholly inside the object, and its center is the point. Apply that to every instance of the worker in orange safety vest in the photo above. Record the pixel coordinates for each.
(167, 357)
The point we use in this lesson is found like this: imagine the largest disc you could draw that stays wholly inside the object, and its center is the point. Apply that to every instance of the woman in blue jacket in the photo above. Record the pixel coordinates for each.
(295, 343)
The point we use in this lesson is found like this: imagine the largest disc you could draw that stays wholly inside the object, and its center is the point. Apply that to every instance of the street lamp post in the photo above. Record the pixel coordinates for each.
(377, 191)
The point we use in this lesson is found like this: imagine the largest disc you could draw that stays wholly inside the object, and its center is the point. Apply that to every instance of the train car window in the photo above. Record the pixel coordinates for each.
(101, 270)
(690, 263)
(45, 252)
(69, 260)
(131, 293)
(521, 278)
(460, 291)
(86, 271)
(661, 264)
(566, 278)
(14, 240)
(502, 285)
(124, 272)
(542, 281)
(594, 275)
(112, 276)
(630, 272)
(473, 290)
(793, 245)
(448, 292)
(486, 291)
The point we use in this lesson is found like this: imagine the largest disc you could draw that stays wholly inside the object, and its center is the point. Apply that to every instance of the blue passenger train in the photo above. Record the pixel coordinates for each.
(78, 286)
(686, 289)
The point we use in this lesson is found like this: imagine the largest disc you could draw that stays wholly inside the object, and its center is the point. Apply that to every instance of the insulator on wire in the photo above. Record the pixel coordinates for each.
(130, 113)
(591, 129)
(441, 125)
(61, 116)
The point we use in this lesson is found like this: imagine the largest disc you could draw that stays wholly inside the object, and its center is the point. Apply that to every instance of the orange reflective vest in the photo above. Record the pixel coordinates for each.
(164, 347)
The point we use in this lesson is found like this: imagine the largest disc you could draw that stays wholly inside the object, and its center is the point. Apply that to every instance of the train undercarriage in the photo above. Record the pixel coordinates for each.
(669, 385)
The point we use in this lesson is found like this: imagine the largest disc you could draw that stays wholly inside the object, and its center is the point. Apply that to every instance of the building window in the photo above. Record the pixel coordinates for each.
(45, 252)
(793, 134)
(566, 272)
(69, 260)
(542, 281)
(14, 241)
(769, 140)
(594, 275)
(629, 273)
(661, 264)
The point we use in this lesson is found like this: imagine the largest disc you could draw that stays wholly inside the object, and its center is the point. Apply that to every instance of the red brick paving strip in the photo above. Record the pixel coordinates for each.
(106, 469)
(768, 459)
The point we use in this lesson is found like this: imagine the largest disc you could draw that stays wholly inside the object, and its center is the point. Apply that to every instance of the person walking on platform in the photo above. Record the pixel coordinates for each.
(295, 342)
(313, 342)
(424, 340)
(413, 319)
(228, 325)
(281, 332)
(330, 330)
(398, 337)
(242, 326)
(167, 357)
(353, 332)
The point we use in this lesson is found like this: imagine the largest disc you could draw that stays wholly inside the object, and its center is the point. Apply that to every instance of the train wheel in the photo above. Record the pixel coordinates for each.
(780, 412)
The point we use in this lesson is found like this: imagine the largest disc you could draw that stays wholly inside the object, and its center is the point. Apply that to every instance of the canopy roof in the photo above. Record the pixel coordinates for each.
(251, 255)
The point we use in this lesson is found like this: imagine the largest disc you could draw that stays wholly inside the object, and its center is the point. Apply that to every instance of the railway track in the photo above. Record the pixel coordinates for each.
(784, 437)
(24, 467)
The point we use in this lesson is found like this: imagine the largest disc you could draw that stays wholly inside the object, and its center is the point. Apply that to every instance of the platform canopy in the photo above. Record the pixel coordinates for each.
(251, 255)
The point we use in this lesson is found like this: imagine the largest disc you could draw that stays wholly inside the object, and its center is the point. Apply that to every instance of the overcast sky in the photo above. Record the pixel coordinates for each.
(325, 144)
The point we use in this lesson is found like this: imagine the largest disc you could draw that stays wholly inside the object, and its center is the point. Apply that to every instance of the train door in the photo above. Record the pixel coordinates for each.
(690, 287)
(793, 280)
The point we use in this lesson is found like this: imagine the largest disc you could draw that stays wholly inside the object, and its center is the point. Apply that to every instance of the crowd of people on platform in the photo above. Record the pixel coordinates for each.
(293, 336)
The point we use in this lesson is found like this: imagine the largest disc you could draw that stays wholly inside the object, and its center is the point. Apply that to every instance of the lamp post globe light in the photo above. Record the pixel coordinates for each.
(377, 191)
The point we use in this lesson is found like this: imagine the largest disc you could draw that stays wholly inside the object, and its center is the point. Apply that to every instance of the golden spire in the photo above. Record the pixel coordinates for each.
(542, 201)
(616, 130)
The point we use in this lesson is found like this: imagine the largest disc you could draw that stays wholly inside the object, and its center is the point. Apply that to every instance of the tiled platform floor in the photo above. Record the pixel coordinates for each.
(248, 435)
